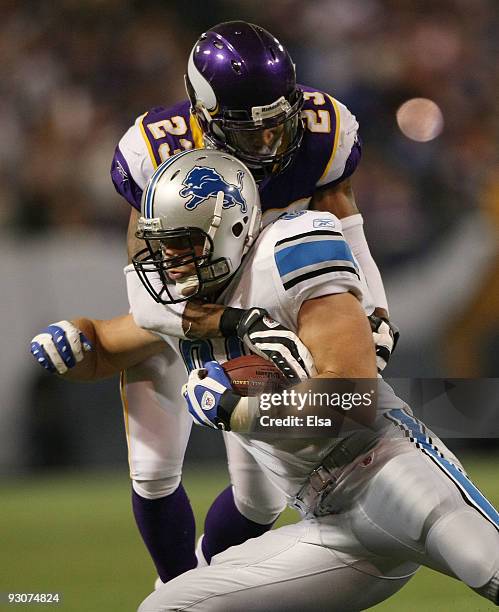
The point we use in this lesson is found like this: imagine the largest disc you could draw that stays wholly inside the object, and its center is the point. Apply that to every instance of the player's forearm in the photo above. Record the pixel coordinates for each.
(343, 349)
(192, 319)
(182, 320)
(353, 230)
(340, 201)
(202, 320)
(117, 345)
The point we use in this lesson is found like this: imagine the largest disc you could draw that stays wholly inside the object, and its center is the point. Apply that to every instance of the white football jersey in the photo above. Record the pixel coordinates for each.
(301, 256)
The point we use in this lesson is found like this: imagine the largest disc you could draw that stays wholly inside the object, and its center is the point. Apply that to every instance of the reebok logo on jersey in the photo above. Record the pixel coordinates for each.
(200, 184)
(323, 222)
(122, 171)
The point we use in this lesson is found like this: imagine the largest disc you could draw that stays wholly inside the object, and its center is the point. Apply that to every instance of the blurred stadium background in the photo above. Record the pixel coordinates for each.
(74, 76)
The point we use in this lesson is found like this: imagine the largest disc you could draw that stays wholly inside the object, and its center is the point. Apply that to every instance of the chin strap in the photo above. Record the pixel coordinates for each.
(217, 268)
(217, 219)
(254, 228)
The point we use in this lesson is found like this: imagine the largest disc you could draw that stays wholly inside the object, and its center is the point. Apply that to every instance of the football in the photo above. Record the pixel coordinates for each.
(252, 374)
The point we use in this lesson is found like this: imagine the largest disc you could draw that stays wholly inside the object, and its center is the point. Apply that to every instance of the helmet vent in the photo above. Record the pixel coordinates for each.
(245, 219)
(237, 229)
(174, 175)
(218, 44)
(272, 53)
(236, 66)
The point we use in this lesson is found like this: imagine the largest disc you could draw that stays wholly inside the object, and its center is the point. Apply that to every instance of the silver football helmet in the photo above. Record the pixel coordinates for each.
(200, 214)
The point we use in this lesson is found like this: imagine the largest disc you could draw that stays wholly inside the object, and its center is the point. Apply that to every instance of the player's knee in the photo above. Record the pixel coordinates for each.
(155, 489)
(262, 509)
(466, 544)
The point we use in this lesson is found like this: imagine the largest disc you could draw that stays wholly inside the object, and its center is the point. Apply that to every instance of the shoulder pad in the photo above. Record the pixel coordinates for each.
(346, 139)
(312, 257)
(291, 225)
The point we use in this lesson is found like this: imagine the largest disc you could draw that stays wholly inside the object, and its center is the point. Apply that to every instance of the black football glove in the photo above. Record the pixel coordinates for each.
(269, 339)
(385, 336)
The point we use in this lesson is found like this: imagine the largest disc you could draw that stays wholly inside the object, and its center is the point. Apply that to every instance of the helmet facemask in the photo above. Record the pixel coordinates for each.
(265, 142)
(182, 258)
(176, 264)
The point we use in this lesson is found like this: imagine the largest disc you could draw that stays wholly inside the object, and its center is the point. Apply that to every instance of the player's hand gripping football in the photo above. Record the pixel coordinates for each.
(385, 336)
(209, 396)
(272, 341)
(59, 347)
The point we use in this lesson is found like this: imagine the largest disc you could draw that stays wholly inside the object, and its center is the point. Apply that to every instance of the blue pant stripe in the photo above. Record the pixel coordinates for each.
(468, 489)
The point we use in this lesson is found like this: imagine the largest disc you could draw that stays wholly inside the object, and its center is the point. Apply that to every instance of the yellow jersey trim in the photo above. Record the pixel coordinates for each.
(336, 137)
(144, 136)
(197, 134)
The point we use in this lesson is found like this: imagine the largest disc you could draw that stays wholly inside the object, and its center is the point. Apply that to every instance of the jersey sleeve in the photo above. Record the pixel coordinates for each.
(347, 149)
(161, 319)
(312, 259)
(132, 164)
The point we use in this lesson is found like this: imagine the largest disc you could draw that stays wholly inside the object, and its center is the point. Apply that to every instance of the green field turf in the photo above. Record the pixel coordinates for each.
(75, 534)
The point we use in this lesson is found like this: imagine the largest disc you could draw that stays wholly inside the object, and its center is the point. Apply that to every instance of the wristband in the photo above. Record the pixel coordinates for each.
(229, 321)
(226, 406)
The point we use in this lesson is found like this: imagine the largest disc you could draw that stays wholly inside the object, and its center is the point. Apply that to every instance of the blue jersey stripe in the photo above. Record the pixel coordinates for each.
(305, 254)
(475, 497)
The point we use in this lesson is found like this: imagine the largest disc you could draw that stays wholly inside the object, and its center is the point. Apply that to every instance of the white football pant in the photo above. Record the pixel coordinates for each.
(397, 509)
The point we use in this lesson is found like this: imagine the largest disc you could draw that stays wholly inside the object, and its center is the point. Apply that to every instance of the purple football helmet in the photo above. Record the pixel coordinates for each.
(242, 86)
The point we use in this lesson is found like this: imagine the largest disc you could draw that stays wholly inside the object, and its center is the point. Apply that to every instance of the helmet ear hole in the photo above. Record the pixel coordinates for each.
(237, 229)
(236, 66)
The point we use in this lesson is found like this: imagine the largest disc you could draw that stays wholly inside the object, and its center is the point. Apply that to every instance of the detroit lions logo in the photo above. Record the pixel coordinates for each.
(203, 183)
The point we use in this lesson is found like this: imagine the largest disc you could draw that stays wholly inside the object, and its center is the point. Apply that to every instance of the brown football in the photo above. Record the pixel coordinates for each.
(252, 374)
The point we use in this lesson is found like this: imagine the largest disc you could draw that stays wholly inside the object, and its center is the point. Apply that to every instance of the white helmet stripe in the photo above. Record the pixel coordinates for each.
(204, 91)
(150, 189)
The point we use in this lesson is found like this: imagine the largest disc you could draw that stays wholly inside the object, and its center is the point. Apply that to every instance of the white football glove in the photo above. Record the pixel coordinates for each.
(209, 396)
(59, 347)
(385, 336)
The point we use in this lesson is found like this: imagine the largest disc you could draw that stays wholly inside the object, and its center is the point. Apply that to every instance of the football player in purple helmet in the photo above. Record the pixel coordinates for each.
(301, 145)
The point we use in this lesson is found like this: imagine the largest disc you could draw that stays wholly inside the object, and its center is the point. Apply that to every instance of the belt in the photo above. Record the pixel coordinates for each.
(321, 482)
